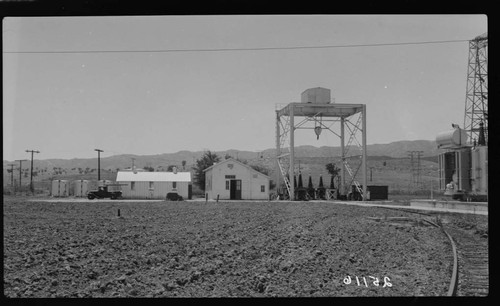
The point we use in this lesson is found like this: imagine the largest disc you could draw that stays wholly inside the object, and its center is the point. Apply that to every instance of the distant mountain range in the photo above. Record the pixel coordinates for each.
(159, 162)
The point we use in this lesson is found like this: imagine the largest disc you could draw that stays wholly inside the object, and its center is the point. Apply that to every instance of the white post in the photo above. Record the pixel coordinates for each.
(365, 181)
(342, 149)
(292, 152)
(278, 172)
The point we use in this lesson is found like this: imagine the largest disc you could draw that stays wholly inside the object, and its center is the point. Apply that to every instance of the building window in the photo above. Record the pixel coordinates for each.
(174, 184)
(227, 185)
(151, 185)
(262, 188)
(132, 185)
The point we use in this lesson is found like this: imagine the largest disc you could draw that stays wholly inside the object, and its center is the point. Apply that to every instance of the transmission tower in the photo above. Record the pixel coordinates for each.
(476, 100)
(415, 167)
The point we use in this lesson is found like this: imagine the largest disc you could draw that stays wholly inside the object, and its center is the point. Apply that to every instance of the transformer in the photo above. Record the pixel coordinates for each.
(463, 168)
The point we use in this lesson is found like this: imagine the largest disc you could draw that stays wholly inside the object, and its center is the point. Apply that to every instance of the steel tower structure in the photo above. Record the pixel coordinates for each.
(476, 101)
(350, 119)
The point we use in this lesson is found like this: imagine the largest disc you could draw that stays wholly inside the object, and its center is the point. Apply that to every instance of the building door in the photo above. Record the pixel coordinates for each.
(235, 190)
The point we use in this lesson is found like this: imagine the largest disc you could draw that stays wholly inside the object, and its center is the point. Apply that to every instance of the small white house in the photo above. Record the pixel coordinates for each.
(233, 180)
(154, 185)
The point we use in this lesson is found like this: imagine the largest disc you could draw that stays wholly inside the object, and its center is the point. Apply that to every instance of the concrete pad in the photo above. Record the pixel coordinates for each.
(453, 205)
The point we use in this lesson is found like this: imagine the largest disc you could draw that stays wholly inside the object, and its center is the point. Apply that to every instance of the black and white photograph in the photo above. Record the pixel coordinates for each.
(245, 156)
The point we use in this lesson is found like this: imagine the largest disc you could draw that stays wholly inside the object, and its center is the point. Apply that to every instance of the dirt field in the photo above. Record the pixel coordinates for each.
(167, 249)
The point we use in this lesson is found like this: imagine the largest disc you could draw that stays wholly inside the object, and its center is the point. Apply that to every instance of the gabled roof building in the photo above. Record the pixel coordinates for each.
(234, 180)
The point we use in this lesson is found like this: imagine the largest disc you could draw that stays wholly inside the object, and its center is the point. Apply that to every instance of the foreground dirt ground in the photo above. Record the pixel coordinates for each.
(240, 249)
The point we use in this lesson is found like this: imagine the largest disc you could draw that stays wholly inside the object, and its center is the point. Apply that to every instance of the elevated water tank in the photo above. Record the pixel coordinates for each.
(451, 139)
(316, 95)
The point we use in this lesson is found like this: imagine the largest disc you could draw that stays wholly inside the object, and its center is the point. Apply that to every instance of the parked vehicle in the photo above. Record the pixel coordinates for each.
(174, 196)
(103, 192)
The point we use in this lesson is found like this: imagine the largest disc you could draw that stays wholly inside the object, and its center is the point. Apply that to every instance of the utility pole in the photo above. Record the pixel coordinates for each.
(98, 163)
(31, 174)
(20, 170)
(419, 167)
(12, 175)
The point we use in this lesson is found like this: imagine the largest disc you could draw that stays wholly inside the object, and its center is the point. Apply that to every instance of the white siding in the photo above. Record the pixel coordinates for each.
(60, 188)
(162, 184)
(159, 190)
(250, 185)
(81, 187)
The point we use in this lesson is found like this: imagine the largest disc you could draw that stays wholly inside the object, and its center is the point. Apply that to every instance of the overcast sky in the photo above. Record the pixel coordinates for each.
(66, 104)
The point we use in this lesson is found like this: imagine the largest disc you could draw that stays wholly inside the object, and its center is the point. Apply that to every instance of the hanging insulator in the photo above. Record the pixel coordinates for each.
(317, 130)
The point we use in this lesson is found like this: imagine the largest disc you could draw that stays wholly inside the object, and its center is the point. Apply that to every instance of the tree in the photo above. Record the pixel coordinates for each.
(184, 165)
(261, 169)
(207, 160)
(332, 169)
(171, 168)
(149, 168)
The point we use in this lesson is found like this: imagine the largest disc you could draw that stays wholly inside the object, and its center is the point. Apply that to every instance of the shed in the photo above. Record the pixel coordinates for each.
(154, 185)
(234, 180)
(60, 188)
(81, 187)
(378, 192)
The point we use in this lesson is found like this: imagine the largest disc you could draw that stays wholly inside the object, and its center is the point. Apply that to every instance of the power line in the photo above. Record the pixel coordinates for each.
(239, 49)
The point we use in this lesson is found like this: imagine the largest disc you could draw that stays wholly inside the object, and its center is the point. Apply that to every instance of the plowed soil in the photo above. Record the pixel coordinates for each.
(238, 249)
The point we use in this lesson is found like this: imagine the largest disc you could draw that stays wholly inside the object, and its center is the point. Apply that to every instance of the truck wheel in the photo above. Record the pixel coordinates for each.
(91, 196)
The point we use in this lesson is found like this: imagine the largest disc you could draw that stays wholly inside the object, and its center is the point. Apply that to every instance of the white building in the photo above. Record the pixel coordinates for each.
(233, 180)
(82, 187)
(154, 185)
(60, 188)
